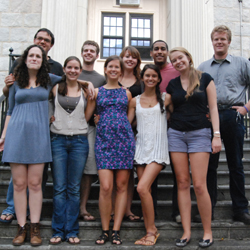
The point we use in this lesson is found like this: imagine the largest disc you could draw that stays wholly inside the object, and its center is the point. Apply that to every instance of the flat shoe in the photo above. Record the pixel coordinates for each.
(73, 242)
(182, 242)
(55, 242)
(205, 243)
(146, 242)
(132, 218)
(7, 221)
(88, 217)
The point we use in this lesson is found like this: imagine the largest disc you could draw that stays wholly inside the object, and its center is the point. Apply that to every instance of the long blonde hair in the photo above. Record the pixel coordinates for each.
(194, 74)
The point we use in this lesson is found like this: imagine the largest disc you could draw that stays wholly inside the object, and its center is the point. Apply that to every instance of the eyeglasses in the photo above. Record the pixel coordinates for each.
(44, 39)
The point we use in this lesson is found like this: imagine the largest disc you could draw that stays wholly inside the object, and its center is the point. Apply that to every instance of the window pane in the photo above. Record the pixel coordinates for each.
(112, 52)
(118, 51)
(147, 33)
(140, 43)
(106, 31)
(119, 21)
(134, 22)
(140, 23)
(105, 42)
(113, 31)
(146, 43)
(106, 21)
(134, 32)
(134, 42)
(106, 52)
(113, 21)
(119, 31)
(119, 43)
(140, 32)
(112, 42)
(147, 23)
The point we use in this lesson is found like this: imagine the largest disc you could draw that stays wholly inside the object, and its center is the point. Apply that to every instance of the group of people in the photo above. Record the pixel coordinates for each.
(144, 119)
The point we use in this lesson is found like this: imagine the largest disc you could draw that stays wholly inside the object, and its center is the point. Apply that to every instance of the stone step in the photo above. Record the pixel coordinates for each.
(220, 244)
(131, 231)
(223, 209)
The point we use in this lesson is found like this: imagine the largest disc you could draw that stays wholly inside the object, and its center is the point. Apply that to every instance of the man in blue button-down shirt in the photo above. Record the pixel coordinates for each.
(232, 78)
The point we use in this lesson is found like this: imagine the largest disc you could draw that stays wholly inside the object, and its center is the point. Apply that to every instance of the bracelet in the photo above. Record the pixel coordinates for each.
(246, 108)
(216, 132)
(3, 138)
(217, 136)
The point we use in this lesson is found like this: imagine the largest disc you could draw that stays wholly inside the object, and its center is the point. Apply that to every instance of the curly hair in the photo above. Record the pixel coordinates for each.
(157, 87)
(135, 54)
(21, 73)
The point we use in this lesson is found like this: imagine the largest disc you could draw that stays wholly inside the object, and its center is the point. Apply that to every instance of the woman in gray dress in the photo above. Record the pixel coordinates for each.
(25, 138)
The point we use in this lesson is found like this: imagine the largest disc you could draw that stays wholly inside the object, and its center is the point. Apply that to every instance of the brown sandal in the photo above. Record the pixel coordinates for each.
(146, 242)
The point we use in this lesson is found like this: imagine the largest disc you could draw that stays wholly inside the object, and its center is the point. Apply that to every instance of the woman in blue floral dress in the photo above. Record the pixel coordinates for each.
(114, 147)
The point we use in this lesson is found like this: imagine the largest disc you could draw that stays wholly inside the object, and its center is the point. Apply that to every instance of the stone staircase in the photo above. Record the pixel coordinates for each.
(227, 233)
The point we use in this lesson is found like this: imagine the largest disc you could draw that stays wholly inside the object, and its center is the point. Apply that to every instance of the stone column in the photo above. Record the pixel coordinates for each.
(190, 23)
(67, 19)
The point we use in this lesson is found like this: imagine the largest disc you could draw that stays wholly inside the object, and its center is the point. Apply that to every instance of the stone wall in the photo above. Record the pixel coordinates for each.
(19, 21)
(227, 12)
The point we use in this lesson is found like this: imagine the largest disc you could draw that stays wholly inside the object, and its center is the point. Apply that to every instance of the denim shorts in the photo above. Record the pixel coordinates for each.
(189, 142)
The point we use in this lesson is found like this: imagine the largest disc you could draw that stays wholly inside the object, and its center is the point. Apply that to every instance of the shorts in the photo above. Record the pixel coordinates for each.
(190, 142)
(90, 167)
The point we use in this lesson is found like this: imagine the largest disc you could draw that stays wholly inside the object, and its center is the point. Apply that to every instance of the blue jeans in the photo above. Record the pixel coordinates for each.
(69, 155)
(10, 193)
(232, 133)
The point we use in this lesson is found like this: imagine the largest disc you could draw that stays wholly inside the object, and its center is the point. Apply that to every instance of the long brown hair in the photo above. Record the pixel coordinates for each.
(194, 74)
(136, 54)
(21, 73)
(63, 89)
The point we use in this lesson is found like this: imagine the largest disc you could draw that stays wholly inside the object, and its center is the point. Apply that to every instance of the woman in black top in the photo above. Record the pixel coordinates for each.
(189, 138)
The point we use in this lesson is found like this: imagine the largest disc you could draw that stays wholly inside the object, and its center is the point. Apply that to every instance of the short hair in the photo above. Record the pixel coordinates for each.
(90, 42)
(48, 32)
(152, 47)
(222, 28)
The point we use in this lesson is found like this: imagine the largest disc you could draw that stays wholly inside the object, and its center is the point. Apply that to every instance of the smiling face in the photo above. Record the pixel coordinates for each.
(34, 59)
(72, 70)
(150, 78)
(113, 70)
(129, 61)
(159, 54)
(89, 54)
(44, 40)
(221, 44)
(180, 61)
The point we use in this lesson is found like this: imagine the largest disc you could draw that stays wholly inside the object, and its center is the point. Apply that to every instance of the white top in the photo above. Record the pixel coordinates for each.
(151, 139)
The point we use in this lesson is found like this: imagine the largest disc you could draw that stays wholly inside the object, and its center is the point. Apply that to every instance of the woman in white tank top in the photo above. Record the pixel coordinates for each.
(151, 153)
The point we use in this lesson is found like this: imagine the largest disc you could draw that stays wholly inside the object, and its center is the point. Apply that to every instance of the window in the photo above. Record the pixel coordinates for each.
(113, 32)
(141, 33)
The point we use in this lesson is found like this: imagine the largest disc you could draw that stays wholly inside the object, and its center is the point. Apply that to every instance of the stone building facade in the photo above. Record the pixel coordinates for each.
(185, 23)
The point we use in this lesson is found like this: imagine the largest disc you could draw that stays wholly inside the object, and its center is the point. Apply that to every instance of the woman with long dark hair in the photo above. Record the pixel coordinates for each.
(25, 138)
(151, 153)
(69, 152)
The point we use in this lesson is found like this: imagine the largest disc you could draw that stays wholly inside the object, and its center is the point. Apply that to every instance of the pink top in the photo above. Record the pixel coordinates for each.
(168, 73)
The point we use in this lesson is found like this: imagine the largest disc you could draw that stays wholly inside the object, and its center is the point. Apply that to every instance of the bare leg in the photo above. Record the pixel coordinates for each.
(35, 176)
(19, 174)
(199, 166)
(122, 177)
(146, 177)
(181, 168)
(105, 202)
(85, 191)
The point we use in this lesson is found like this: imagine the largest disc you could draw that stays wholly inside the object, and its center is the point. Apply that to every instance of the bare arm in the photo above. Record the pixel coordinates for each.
(213, 110)
(91, 104)
(9, 80)
(2, 139)
(131, 110)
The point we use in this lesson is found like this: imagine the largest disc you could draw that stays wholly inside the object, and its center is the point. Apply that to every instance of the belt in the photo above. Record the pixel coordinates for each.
(229, 106)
